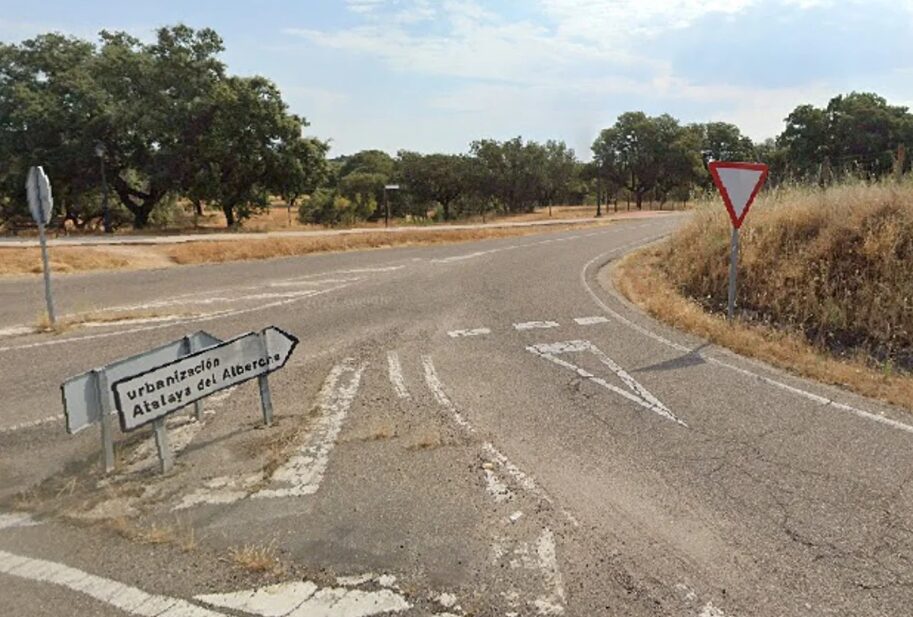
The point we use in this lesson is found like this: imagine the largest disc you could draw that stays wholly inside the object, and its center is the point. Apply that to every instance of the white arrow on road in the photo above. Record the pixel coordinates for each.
(635, 392)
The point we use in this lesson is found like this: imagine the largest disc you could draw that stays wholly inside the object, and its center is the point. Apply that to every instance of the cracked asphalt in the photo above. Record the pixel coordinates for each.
(489, 421)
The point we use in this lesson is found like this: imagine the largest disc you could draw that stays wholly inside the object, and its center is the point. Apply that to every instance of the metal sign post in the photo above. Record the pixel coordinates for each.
(739, 184)
(41, 205)
(733, 268)
(163, 446)
(107, 440)
(197, 405)
(266, 399)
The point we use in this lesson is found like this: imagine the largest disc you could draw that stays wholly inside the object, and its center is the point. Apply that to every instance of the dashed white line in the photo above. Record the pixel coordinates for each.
(124, 597)
(32, 424)
(591, 321)
(536, 325)
(395, 372)
(472, 332)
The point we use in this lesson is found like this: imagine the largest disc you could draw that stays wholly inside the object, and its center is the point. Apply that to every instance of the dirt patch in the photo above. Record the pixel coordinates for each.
(640, 278)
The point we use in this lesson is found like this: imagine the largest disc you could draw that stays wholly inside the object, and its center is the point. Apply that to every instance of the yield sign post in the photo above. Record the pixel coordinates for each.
(41, 204)
(739, 184)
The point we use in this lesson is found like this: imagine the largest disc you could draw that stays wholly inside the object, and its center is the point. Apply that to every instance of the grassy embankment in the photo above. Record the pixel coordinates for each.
(825, 284)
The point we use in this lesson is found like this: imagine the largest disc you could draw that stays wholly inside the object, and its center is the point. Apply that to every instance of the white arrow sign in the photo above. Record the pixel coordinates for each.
(41, 201)
(155, 393)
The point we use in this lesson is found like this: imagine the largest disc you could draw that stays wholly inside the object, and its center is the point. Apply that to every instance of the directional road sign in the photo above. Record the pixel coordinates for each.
(82, 398)
(738, 184)
(152, 394)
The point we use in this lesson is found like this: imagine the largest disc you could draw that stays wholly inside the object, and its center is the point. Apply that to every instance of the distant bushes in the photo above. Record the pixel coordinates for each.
(833, 264)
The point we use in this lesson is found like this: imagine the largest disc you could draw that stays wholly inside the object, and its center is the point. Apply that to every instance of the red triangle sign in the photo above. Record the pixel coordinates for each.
(739, 184)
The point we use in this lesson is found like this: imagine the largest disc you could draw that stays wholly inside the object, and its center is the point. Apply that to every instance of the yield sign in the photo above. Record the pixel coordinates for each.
(739, 184)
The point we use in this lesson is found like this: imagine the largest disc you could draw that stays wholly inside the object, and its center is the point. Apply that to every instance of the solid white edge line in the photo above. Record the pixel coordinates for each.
(816, 398)
(129, 599)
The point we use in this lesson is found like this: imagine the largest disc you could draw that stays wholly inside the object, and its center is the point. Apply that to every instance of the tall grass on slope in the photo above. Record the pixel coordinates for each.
(835, 265)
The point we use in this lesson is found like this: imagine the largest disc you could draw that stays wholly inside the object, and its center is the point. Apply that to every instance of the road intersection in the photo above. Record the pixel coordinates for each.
(477, 429)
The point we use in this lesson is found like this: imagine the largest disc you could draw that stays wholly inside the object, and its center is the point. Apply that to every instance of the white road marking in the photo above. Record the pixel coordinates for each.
(14, 520)
(540, 557)
(303, 472)
(710, 610)
(536, 325)
(124, 597)
(31, 424)
(591, 321)
(525, 481)
(635, 393)
(447, 260)
(235, 313)
(816, 398)
(473, 332)
(305, 599)
(395, 372)
(496, 487)
(437, 388)
(220, 490)
(16, 331)
(553, 604)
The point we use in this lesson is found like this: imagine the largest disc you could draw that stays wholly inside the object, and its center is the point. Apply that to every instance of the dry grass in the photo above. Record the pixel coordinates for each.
(256, 559)
(63, 259)
(426, 440)
(640, 277)
(178, 534)
(830, 265)
(269, 248)
(65, 323)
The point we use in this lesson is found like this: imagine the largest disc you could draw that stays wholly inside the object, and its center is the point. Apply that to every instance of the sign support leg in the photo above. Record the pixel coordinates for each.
(107, 440)
(49, 299)
(197, 405)
(733, 267)
(266, 400)
(166, 458)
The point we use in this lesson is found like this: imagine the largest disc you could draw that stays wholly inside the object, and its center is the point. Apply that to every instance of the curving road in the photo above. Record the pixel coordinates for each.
(490, 424)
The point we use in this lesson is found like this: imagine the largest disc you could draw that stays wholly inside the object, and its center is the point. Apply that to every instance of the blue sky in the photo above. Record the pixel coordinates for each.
(434, 75)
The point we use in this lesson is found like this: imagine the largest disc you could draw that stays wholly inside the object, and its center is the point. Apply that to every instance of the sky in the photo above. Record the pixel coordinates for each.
(433, 76)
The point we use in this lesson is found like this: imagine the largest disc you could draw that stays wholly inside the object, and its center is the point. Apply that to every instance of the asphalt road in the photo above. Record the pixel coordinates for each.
(475, 429)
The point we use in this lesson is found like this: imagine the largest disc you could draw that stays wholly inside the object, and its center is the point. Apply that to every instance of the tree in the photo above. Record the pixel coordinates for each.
(856, 133)
(48, 103)
(434, 178)
(246, 146)
(510, 172)
(159, 103)
(636, 152)
(721, 141)
(560, 173)
(302, 168)
(362, 189)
